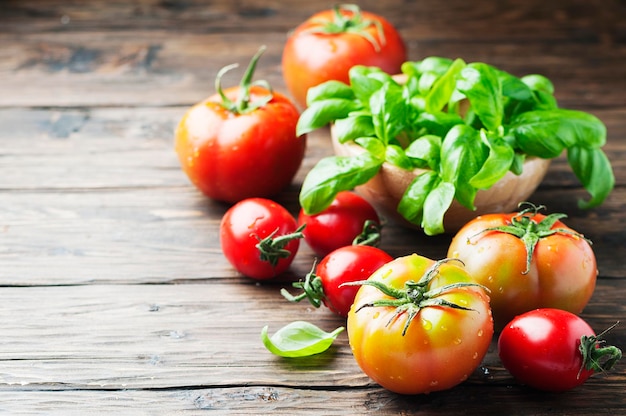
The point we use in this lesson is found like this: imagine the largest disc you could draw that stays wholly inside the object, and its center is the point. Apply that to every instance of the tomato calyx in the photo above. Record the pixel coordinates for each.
(596, 356)
(312, 289)
(272, 249)
(415, 295)
(524, 227)
(351, 22)
(370, 236)
(243, 104)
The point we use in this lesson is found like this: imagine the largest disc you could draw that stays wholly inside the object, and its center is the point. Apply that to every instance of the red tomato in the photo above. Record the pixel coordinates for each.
(344, 265)
(417, 326)
(259, 237)
(553, 350)
(339, 224)
(330, 42)
(557, 269)
(237, 145)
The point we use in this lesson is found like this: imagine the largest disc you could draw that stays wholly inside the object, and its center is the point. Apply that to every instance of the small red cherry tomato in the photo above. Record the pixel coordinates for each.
(348, 217)
(553, 350)
(329, 43)
(259, 237)
(344, 265)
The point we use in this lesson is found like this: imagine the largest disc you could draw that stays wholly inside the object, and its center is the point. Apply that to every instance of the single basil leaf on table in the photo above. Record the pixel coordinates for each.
(482, 87)
(333, 174)
(299, 339)
(592, 167)
(321, 113)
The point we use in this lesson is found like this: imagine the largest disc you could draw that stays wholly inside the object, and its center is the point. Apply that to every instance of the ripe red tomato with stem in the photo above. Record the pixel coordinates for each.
(418, 326)
(349, 219)
(259, 237)
(527, 260)
(329, 43)
(553, 350)
(241, 142)
(326, 282)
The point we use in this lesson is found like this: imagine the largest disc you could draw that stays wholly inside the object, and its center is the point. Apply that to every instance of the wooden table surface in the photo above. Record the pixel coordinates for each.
(114, 294)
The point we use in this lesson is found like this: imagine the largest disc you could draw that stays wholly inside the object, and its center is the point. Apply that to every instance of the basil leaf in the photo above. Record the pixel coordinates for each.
(425, 151)
(299, 339)
(355, 125)
(334, 174)
(363, 83)
(438, 123)
(329, 90)
(395, 155)
(481, 85)
(411, 205)
(546, 133)
(501, 157)
(320, 113)
(388, 109)
(441, 91)
(538, 83)
(514, 88)
(436, 204)
(593, 169)
(462, 156)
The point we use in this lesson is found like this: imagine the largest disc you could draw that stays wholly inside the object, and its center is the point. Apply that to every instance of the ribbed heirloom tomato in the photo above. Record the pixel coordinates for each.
(240, 142)
(528, 261)
(329, 43)
(418, 326)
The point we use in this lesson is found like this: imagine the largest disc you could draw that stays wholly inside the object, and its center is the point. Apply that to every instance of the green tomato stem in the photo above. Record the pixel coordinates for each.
(273, 249)
(596, 357)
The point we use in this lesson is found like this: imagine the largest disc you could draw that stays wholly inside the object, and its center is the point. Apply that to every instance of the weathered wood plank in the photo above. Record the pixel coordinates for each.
(114, 337)
(161, 54)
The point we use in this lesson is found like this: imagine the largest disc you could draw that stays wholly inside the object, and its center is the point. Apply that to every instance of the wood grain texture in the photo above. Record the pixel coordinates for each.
(114, 294)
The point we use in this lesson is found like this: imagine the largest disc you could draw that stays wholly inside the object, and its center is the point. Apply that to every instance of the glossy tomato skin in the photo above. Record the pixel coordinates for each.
(230, 157)
(562, 272)
(347, 264)
(540, 349)
(244, 224)
(339, 224)
(311, 58)
(442, 346)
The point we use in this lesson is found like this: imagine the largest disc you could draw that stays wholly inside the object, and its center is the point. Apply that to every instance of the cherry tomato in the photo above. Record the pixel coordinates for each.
(329, 43)
(344, 265)
(259, 237)
(348, 217)
(528, 261)
(418, 326)
(554, 350)
(240, 142)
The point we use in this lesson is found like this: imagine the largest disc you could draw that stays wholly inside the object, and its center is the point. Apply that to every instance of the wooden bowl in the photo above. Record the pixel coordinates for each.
(385, 190)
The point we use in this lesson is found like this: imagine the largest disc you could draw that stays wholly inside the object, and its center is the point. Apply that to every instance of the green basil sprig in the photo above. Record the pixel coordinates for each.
(468, 124)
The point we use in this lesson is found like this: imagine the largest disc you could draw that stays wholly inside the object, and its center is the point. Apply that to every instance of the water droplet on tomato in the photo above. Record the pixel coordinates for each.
(376, 315)
(443, 328)
(490, 279)
(433, 383)
(387, 274)
(475, 356)
(463, 302)
(458, 341)
(480, 332)
(426, 324)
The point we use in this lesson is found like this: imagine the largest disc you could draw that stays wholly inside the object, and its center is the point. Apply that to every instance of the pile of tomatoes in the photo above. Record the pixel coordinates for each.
(415, 325)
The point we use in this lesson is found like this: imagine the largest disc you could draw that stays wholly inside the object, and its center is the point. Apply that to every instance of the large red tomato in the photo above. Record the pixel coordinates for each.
(418, 326)
(240, 142)
(528, 261)
(330, 42)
